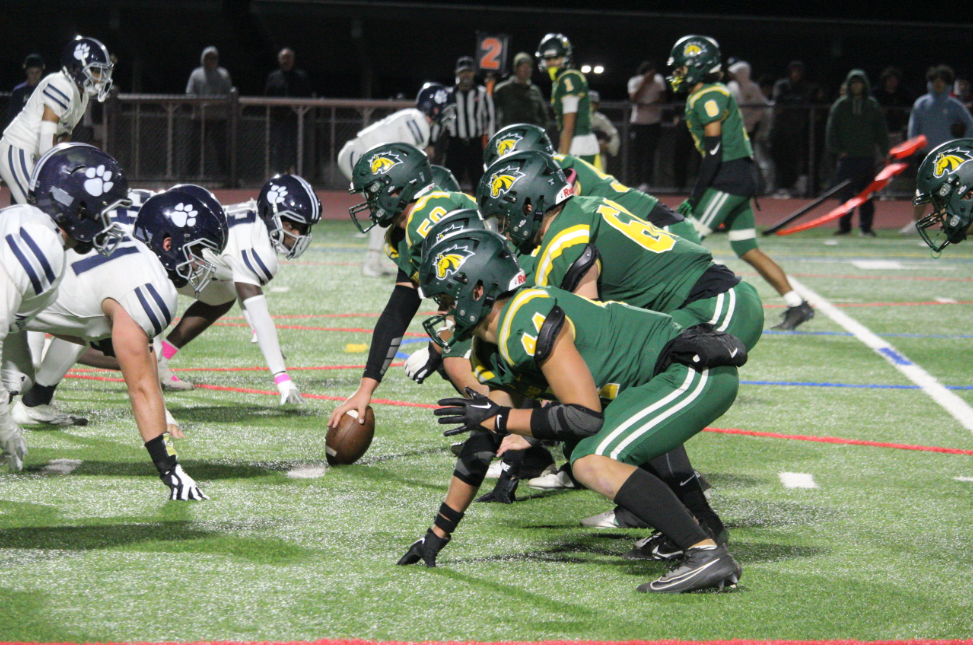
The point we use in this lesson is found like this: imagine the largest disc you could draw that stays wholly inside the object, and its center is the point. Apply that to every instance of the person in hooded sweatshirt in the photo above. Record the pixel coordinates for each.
(940, 117)
(210, 80)
(856, 131)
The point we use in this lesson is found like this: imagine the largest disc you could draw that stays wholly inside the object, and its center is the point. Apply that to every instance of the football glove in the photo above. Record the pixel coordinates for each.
(423, 363)
(471, 413)
(685, 209)
(425, 548)
(182, 487)
(12, 444)
(289, 394)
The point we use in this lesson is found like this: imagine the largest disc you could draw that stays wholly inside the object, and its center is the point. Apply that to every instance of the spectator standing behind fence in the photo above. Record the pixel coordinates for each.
(788, 137)
(750, 99)
(474, 123)
(896, 99)
(647, 91)
(856, 130)
(607, 134)
(288, 81)
(938, 116)
(34, 69)
(517, 99)
(210, 80)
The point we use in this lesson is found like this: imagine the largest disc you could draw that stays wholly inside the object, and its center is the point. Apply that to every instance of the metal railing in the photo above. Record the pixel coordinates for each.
(236, 141)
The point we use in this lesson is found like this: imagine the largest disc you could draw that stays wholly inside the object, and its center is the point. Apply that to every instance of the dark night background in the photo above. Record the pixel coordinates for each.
(379, 49)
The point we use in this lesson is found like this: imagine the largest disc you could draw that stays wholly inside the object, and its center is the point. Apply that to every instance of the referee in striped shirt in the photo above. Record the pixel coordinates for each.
(473, 126)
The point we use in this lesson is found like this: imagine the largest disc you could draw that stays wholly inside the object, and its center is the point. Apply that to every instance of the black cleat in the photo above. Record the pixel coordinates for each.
(794, 317)
(658, 547)
(505, 490)
(702, 568)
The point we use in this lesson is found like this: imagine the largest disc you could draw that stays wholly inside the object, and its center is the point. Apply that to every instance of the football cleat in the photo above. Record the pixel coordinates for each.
(172, 382)
(795, 317)
(505, 490)
(557, 480)
(604, 520)
(44, 414)
(704, 567)
(655, 547)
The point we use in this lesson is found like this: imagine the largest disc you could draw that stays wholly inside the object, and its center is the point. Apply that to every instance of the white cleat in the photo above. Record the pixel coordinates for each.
(557, 480)
(604, 520)
(44, 414)
(172, 382)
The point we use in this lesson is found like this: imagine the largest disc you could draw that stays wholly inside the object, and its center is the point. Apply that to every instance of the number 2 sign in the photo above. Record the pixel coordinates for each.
(491, 52)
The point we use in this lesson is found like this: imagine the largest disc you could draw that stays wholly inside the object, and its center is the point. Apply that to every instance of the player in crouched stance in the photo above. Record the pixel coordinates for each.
(670, 384)
(279, 221)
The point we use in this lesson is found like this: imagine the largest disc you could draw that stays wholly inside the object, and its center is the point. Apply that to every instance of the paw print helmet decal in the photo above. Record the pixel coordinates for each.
(185, 230)
(79, 186)
(289, 198)
(87, 62)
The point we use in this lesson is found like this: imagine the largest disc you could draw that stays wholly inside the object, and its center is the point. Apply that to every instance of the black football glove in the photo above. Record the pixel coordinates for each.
(422, 363)
(425, 548)
(471, 413)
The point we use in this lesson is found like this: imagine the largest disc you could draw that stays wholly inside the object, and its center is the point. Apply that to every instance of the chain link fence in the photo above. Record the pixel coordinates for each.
(241, 141)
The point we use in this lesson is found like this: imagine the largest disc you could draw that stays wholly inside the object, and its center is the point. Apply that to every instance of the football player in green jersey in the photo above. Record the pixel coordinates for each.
(727, 180)
(945, 179)
(581, 350)
(570, 98)
(397, 182)
(588, 180)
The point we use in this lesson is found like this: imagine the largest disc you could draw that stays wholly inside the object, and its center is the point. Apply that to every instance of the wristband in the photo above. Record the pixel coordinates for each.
(281, 378)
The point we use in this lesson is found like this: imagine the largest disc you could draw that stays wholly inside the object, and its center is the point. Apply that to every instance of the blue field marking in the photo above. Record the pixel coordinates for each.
(407, 341)
(895, 356)
(863, 386)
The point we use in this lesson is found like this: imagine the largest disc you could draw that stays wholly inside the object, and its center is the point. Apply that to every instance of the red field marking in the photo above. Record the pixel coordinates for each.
(737, 431)
(355, 641)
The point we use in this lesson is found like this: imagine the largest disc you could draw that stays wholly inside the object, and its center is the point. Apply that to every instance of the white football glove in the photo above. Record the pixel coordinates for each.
(11, 439)
(422, 363)
(289, 394)
(182, 487)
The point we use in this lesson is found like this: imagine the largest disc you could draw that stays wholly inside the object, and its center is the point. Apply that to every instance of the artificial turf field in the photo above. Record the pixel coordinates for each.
(286, 549)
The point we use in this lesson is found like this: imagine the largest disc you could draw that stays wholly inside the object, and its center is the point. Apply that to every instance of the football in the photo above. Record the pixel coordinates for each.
(351, 439)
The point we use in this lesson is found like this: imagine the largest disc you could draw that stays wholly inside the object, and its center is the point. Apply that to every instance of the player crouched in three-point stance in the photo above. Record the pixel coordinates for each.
(53, 110)
(33, 239)
(671, 383)
(727, 178)
(118, 299)
(400, 196)
(418, 126)
(945, 179)
(280, 221)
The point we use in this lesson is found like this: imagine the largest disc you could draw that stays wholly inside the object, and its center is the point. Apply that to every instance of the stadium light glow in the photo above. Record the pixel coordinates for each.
(586, 69)
(599, 69)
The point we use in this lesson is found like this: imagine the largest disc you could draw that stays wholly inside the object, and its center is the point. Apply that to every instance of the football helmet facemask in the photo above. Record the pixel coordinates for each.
(692, 58)
(291, 198)
(945, 179)
(465, 274)
(80, 186)
(389, 175)
(87, 62)
(518, 189)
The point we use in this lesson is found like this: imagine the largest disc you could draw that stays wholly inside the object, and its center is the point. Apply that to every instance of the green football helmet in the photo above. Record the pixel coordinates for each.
(389, 175)
(554, 46)
(453, 269)
(699, 55)
(516, 138)
(445, 180)
(945, 179)
(518, 189)
(453, 222)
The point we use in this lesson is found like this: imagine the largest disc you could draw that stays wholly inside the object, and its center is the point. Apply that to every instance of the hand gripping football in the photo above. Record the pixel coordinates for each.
(350, 440)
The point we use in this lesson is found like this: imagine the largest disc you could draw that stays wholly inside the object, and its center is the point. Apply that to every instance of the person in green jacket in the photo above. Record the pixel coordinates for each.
(856, 130)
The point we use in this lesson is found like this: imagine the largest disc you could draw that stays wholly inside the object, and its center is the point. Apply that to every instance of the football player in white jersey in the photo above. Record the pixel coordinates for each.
(434, 105)
(118, 303)
(53, 110)
(70, 200)
(279, 221)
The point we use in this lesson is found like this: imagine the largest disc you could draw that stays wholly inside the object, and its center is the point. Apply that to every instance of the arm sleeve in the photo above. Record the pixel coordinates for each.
(708, 168)
(399, 312)
(263, 324)
(46, 133)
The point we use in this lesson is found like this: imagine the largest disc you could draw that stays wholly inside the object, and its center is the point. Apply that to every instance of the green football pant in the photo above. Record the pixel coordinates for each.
(717, 207)
(738, 311)
(651, 419)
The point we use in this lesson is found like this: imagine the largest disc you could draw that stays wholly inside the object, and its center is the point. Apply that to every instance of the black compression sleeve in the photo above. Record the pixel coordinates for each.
(712, 158)
(399, 312)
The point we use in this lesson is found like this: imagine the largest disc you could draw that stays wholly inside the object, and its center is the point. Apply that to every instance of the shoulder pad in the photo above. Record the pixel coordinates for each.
(548, 333)
(576, 271)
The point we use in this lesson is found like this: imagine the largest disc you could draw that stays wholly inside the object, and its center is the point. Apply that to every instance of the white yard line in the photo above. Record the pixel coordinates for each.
(60, 466)
(963, 479)
(307, 472)
(798, 480)
(955, 406)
